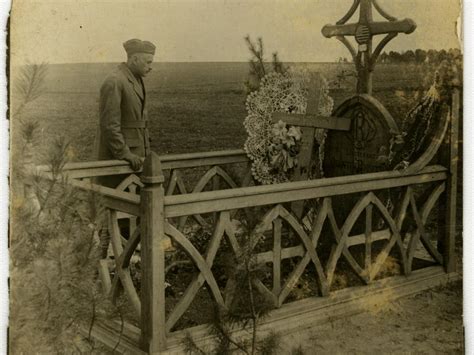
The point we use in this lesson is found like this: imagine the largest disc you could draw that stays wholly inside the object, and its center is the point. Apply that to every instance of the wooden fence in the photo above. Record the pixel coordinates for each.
(170, 201)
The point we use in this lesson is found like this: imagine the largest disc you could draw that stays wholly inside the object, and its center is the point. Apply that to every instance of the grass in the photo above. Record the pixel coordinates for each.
(192, 106)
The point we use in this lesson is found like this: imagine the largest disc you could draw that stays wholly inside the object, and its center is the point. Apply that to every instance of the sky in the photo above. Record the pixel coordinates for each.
(68, 31)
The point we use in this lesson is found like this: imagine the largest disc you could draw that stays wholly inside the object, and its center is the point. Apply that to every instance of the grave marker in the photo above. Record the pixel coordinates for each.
(363, 31)
(308, 123)
(360, 149)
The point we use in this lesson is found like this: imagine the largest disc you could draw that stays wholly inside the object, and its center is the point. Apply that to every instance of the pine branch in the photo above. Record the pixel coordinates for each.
(257, 66)
(245, 307)
(270, 344)
(278, 66)
(254, 314)
(228, 337)
(30, 85)
(190, 345)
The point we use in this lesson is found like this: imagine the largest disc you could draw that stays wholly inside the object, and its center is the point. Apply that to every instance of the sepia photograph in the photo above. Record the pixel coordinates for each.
(235, 177)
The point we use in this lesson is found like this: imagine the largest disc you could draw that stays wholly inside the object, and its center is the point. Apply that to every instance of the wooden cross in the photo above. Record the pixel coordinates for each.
(308, 123)
(363, 31)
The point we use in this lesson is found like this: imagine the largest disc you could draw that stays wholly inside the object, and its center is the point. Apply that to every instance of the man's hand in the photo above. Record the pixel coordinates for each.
(134, 160)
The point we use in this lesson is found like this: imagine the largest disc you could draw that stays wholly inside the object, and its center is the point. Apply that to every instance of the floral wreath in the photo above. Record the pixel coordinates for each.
(273, 148)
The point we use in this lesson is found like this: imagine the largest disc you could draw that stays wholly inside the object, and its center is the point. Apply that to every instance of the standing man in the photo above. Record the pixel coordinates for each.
(123, 132)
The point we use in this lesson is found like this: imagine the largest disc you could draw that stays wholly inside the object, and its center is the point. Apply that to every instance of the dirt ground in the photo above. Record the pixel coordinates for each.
(426, 323)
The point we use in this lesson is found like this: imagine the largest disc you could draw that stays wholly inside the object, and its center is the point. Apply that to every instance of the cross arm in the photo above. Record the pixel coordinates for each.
(406, 26)
(349, 29)
(314, 121)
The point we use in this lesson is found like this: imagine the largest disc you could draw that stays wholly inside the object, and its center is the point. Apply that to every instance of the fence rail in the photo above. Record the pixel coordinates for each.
(92, 169)
(180, 205)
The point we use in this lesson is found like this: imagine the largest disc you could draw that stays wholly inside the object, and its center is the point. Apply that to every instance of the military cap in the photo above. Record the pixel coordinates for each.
(135, 45)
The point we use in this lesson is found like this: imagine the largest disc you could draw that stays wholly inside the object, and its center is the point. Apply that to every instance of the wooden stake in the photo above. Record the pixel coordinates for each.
(450, 231)
(153, 336)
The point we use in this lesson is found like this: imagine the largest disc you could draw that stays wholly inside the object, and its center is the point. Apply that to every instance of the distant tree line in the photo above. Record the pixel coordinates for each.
(343, 60)
(420, 56)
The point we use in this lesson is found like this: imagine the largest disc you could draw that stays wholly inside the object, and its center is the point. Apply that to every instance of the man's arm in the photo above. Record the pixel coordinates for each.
(110, 122)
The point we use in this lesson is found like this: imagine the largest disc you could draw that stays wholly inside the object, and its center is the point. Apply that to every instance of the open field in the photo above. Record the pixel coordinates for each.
(192, 106)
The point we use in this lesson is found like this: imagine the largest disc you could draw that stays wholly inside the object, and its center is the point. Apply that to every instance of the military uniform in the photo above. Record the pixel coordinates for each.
(123, 128)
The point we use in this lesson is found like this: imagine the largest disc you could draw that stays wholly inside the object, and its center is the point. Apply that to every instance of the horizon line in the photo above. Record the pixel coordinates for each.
(181, 61)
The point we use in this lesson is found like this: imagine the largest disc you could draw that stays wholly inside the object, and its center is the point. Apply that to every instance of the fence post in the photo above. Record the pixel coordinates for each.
(153, 245)
(449, 242)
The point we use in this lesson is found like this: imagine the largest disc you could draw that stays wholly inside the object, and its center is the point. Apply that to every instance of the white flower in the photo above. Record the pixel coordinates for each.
(295, 132)
(272, 148)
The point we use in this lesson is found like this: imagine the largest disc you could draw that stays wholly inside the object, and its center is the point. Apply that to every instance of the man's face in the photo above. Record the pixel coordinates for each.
(142, 63)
